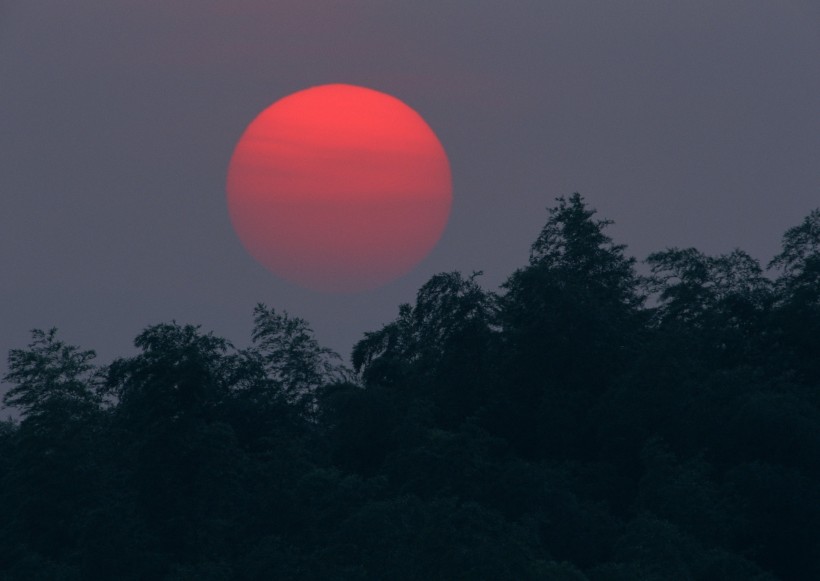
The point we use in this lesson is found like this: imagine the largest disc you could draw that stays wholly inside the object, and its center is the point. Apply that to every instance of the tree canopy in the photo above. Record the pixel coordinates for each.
(580, 423)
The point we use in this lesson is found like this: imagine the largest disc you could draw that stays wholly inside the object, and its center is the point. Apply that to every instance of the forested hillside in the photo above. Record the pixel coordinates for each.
(584, 423)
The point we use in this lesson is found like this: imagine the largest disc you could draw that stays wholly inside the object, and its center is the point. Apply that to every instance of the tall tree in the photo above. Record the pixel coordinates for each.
(294, 363)
(570, 314)
(798, 306)
(179, 453)
(570, 320)
(49, 374)
(442, 348)
(53, 468)
(721, 302)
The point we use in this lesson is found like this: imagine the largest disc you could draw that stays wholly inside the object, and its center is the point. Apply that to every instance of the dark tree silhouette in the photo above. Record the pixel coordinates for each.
(582, 424)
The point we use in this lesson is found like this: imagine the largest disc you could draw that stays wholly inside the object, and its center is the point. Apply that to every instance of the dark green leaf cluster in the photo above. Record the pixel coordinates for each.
(585, 423)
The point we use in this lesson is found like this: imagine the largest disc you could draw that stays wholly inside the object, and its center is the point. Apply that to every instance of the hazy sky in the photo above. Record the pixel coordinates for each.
(691, 123)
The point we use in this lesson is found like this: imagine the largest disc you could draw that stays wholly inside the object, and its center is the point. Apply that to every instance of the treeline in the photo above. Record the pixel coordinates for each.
(584, 423)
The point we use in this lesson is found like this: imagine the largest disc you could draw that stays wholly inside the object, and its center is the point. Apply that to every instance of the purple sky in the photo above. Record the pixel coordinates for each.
(690, 123)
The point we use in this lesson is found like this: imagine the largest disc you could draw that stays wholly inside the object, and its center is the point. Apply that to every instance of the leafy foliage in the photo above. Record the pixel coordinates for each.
(565, 428)
(50, 372)
(292, 357)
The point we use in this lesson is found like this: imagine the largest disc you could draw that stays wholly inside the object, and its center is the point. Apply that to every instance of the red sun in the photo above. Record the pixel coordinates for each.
(339, 188)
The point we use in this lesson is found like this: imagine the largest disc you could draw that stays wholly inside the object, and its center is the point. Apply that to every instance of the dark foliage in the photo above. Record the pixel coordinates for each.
(585, 423)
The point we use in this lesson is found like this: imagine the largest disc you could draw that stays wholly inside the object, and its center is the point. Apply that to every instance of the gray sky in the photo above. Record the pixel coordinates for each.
(688, 123)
